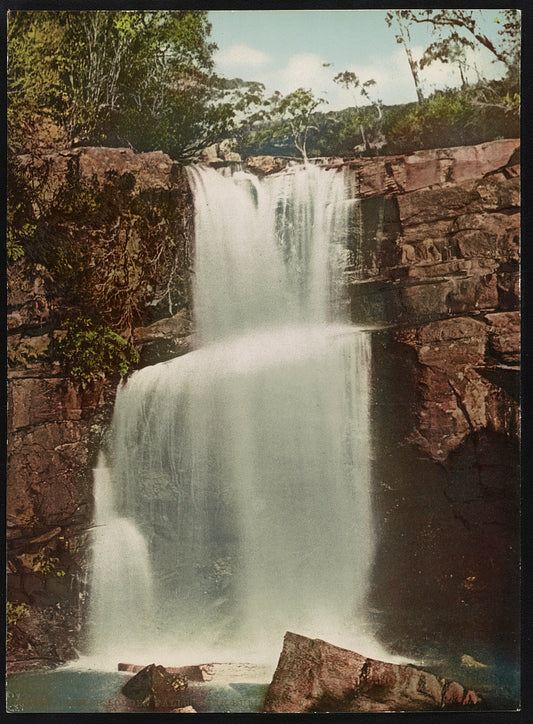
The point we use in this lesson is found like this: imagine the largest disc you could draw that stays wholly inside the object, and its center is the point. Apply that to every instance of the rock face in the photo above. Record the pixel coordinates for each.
(56, 426)
(315, 676)
(437, 270)
(154, 688)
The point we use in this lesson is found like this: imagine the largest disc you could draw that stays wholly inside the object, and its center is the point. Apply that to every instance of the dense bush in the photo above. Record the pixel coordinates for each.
(90, 350)
(453, 118)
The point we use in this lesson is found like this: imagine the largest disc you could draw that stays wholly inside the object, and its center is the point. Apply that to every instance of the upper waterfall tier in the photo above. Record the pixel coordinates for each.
(261, 258)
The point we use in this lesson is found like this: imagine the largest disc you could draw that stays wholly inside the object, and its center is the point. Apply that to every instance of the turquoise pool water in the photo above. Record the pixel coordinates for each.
(78, 692)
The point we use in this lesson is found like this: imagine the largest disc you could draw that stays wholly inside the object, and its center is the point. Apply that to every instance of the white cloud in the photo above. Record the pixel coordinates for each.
(242, 55)
(394, 81)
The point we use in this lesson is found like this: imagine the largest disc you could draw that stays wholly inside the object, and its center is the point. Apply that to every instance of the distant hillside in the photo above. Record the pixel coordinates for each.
(451, 117)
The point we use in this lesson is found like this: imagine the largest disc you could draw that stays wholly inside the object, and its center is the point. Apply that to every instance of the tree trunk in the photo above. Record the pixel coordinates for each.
(414, 70)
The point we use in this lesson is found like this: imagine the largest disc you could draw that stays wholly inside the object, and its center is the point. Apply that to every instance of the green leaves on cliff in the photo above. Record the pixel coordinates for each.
(108, 249)
(91, 350)
(14, 612)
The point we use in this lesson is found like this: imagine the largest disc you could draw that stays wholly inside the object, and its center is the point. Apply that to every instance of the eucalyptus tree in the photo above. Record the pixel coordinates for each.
(349, 80)
(400, 20)
(295, 112)
(465, 27)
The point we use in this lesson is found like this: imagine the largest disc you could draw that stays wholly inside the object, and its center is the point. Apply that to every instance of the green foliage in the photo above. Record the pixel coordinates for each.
(14, 612)
(19, 212)
(91, 350)
(99, 75)
(47, 565)
(450, 118)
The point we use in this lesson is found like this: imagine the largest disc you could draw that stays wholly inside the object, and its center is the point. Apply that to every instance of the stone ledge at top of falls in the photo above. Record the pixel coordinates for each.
(150, 170)
(315, 676)
(401, 173)
(384, 175)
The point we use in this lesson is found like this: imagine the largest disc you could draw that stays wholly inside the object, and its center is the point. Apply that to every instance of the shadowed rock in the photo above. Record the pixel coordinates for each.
(315, 676)
(154, 688)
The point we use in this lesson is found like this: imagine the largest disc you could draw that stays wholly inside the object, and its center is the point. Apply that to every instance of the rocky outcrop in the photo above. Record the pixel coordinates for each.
(220, 154)
(155, 688)
(265, 165)
(315, 676)
(437, 271)
(164, 339)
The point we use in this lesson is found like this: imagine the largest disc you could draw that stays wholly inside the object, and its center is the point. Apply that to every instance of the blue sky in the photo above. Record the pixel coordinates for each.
(287, 49)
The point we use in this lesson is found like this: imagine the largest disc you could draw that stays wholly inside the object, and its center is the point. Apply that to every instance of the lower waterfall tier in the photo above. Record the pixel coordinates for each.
(245, 467)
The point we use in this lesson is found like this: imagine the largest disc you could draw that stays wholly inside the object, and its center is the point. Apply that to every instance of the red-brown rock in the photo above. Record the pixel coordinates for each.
(315, 676)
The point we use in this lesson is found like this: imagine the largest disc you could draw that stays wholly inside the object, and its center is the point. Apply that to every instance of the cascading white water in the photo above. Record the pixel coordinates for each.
(121, 579)
(244, 465)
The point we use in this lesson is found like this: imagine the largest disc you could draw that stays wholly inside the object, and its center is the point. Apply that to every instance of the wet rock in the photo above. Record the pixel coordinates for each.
(265, 165)
(164, 339)
(315, 676)
(155, 688)
(191, 673)
(471, 663)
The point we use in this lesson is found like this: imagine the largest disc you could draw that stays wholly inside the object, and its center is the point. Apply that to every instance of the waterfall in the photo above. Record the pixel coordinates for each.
(240, 471)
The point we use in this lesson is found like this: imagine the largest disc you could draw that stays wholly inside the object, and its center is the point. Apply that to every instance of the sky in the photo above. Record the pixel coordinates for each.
(288, 49)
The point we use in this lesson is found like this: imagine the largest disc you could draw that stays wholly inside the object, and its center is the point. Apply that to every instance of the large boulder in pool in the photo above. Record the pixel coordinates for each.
(315, 676)
(155, 688)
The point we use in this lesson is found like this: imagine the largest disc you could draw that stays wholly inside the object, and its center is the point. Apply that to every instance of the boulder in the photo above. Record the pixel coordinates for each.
(265, 165)
(191, 673)
(315, 676)
(164, 339)
(184, 710)
(219, 154)
(155, 688)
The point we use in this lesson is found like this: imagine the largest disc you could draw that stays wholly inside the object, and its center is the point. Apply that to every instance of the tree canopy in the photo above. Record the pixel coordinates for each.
(139, 78)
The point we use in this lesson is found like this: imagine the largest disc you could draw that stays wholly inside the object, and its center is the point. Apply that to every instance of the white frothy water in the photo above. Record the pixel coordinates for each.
(241, 470)
(121, 580)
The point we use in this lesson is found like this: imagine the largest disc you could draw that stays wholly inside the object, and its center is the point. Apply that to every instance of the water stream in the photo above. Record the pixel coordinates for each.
(237, 503)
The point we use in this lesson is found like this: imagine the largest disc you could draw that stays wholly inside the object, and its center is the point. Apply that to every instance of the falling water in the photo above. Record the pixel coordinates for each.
(241, 470)
(122, 599)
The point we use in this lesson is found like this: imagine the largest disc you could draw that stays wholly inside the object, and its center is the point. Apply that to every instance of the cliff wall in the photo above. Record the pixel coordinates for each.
(440, 258)
(57, 424)
(435, 272)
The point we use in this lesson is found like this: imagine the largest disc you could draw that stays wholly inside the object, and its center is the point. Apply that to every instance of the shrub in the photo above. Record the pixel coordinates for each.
(453, 118)
(90, 350)
(14, 612)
